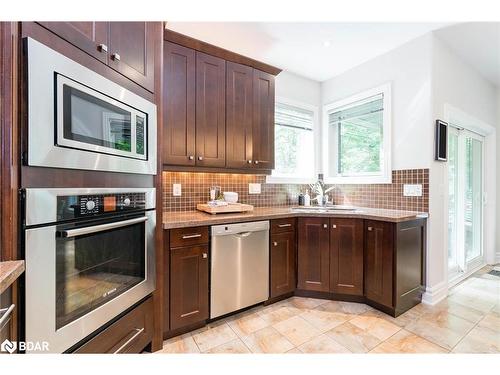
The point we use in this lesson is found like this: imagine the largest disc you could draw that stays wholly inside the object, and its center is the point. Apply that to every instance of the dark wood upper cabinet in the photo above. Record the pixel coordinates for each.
(313, 262)
(188, 285)
(210, 111)
(127, 47)
(179, 100)
(132, 51)
(379, 253)
(263, 120)
(239, 115)
(283, 257)
(91, 37)
(346, 256)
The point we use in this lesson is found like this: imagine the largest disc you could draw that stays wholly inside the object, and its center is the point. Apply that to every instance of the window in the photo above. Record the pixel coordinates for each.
(294, 145)
(356, 142)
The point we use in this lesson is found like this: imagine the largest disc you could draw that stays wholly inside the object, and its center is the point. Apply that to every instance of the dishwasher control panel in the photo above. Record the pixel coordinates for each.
(221, 230)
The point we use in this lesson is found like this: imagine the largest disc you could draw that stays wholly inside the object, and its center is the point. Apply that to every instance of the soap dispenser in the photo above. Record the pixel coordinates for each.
(307, 199)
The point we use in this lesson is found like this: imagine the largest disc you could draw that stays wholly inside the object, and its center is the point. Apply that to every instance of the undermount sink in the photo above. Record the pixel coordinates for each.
(327, 209)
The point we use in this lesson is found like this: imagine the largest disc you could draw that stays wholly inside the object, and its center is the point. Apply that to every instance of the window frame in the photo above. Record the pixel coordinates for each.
(282, 179)
(385, 177)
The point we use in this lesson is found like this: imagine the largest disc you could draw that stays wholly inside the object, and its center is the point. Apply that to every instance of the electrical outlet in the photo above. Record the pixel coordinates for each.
(412, 190)
(254, 188)
(177, 190)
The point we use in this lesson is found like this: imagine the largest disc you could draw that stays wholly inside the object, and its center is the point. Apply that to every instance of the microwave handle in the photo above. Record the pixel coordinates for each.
(101, 227)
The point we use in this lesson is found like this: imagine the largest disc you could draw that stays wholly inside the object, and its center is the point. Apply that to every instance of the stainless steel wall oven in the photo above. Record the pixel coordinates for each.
(89, 256)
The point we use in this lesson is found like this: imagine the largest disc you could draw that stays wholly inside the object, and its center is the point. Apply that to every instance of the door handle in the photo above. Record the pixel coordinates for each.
(256, 162)
(249, 161)
(275, 243)
(325, 226)
(200, 158)
(102, 48)
(125, 344)
(191, 157)
(370, 229)
(115, 56)
(188, 236)
(205, 255)
(100, 228)
(334, 226)
(284, 225)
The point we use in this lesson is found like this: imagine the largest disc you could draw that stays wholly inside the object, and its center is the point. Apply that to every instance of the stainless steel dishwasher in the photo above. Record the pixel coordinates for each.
(240, 266)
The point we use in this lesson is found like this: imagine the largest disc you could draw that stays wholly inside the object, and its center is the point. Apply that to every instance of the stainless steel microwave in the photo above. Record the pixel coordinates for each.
(79, 119)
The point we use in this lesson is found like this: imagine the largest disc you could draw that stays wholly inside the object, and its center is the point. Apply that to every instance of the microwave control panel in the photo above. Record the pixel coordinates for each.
(78, 206)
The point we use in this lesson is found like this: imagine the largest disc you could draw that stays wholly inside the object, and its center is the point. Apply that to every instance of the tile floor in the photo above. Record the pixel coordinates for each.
(468, 321)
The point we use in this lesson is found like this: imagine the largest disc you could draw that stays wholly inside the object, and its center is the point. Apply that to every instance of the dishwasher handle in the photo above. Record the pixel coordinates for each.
(242, 234)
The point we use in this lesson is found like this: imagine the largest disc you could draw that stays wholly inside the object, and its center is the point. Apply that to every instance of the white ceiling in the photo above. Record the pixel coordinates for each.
(318, 51)
(478, 44)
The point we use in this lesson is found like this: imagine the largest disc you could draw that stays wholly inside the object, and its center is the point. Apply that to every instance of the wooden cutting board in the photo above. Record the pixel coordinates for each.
(232, 207)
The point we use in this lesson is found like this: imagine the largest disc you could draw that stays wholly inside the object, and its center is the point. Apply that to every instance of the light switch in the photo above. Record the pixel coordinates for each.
(177, 190)
(254, 188)
(412, 190)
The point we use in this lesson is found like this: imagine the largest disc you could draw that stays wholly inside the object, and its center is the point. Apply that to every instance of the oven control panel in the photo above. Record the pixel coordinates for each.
(77, 206)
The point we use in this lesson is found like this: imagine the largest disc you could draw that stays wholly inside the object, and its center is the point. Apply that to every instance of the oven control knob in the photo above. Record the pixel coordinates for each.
(126, 202)
(90, 205)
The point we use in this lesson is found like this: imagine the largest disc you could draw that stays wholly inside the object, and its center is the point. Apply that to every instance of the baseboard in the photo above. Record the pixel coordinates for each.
(435, 294)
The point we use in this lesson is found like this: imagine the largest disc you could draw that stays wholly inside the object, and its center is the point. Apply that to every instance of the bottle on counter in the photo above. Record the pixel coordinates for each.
(301, 199)
(307, 199)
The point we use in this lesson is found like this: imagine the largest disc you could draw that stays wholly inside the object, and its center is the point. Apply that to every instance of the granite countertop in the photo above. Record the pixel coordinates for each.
(198, 218)
(9, 272)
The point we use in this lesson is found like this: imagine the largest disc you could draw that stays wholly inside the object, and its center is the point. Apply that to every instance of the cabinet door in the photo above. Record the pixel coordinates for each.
(91, 37)
(263, 120)
(379, 262)
(314, 254)
(188, 285)
(239, 112)
(282, 263)
(346, 256)
(210, 111)
(179, 66)
(132, 51)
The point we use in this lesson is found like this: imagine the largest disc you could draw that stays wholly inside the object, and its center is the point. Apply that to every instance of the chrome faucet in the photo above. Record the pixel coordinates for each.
(321, 191)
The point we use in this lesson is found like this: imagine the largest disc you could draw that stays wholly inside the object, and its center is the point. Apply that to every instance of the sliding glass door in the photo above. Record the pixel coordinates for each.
(465, 201)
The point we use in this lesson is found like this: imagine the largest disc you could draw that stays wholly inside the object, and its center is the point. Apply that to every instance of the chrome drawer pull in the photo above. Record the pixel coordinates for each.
(275, 243)
(115, 56)
(204, 255)
(188, 236)
(284, 225)
(5, 315)
(370, 229)
(325, 225)
(334, 226)
(103, 48)
(139, 331)
(101, 227)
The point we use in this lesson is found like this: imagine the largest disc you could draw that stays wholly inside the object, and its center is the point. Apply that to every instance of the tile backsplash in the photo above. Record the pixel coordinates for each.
(195, 189)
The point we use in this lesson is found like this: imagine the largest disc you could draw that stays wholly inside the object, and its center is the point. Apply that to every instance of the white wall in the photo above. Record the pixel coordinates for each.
(297, 88)
(408, 68)
(497, 242)
(459, 90)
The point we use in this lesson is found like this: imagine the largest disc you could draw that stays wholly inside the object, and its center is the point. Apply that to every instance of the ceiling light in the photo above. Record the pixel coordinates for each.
(326, 43)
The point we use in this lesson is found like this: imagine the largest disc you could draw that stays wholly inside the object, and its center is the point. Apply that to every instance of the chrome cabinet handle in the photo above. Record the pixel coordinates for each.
(256, 162)
(102, 48)
(187, 236)
(370, 229)
(325, 225)
(138, 332)
(101, 227)
(275, 243)
(191, 157)
(249, 161)
(200, 158)
(115, 56)
(284, 225)
(5, 315)
(205, 255)
(334, 226)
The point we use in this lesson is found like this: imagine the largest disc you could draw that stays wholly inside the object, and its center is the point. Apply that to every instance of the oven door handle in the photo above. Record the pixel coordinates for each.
(101, 227)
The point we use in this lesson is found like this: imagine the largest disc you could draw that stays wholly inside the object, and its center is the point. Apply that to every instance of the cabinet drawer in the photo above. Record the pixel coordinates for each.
(188, 236)
(129, 334)
(283, 225)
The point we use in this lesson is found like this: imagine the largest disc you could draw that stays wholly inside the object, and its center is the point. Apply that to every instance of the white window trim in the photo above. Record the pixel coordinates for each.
(386, 176)
(277, 179)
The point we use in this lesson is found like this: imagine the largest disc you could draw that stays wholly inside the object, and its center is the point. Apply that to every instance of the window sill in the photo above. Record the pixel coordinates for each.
(358, 180)
(289, 180)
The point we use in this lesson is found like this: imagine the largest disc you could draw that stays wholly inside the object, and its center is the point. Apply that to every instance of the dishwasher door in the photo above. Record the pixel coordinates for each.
(239, 266)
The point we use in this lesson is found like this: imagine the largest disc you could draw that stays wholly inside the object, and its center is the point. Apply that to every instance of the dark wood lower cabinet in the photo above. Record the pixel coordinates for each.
(313, 263)
(283, 262)
(188, 285)
(346, 256)
(129, 334)
(379, 241)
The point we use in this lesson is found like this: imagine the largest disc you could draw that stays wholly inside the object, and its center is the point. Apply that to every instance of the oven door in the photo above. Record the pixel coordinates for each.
(79, 277)
(89, 120)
